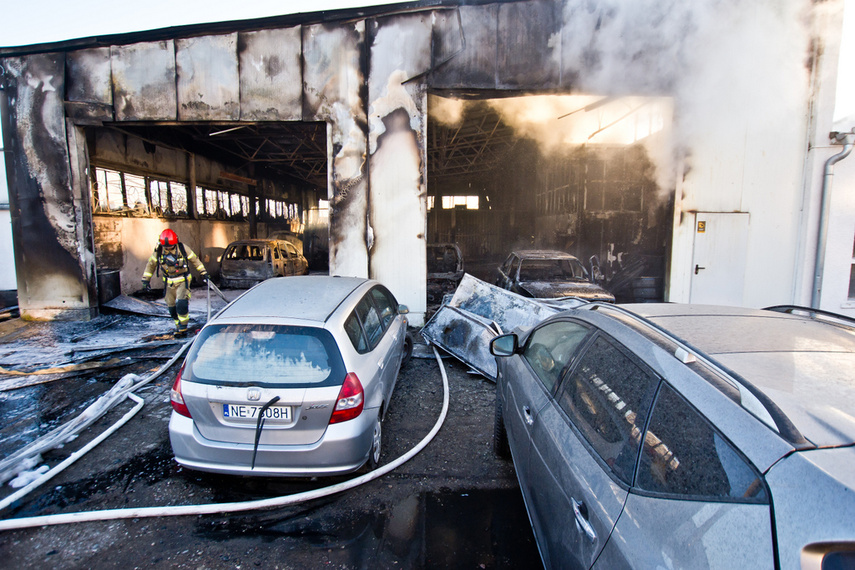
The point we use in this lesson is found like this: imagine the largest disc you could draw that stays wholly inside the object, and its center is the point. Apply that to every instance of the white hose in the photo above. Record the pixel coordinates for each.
(218, 508)
(74, 456)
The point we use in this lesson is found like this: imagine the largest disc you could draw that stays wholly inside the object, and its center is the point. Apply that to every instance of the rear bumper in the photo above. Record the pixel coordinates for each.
(344, 448)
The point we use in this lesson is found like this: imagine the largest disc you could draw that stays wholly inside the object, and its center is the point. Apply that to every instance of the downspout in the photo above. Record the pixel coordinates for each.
(847, 140)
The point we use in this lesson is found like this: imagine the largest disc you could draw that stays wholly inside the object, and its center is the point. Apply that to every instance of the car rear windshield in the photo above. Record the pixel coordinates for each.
(269, 355)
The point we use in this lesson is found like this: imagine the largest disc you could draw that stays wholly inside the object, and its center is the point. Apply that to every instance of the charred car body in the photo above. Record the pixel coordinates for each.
(291, 379)
(444, 270)
(248, 262)
(545, 274)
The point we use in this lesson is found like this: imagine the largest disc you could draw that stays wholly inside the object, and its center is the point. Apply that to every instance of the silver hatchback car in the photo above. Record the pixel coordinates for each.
(290, 379)
(683, 436)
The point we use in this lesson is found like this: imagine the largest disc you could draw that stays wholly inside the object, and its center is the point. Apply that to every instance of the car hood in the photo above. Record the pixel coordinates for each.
(556, 290)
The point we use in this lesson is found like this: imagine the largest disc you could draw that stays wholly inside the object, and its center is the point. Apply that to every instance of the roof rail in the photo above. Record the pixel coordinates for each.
(816, 314)
(752, 399)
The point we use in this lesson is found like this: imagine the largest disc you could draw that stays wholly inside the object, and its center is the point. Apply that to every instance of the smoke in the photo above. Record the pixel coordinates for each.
(669, 74)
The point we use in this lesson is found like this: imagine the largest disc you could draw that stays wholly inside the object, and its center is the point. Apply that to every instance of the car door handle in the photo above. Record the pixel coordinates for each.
(527, 414)
(698, 268)
(581, 513)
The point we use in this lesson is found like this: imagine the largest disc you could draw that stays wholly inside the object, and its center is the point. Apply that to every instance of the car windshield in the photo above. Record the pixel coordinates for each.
(266, 355)
(551, 270)
(245, 252)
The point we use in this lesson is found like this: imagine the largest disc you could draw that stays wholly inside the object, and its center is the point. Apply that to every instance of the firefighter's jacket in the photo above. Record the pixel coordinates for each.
(175, 265)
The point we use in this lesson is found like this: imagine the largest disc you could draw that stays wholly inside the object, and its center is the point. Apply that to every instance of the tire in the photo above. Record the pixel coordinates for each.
(376, 444)
(408, 349)
(500, 434)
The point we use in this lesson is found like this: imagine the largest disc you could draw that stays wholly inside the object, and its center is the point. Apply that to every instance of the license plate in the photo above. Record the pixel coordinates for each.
(275, 413)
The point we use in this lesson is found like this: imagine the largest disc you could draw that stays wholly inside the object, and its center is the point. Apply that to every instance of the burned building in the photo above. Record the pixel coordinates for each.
(606, 129)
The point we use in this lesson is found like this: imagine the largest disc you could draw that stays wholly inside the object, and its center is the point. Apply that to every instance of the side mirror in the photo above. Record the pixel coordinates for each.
(403, 310)
(505, 345)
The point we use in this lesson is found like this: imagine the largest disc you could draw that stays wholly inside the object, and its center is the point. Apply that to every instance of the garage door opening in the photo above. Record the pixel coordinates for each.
(213, 183)
(587, 175)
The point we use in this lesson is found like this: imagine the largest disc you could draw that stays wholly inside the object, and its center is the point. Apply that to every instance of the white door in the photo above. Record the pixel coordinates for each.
(718, 260)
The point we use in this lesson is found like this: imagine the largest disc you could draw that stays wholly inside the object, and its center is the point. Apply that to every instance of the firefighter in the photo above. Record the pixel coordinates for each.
(174, 258)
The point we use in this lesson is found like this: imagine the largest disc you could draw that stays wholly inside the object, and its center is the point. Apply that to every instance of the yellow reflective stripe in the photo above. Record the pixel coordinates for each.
(184, 318)
(172, 280)
(146, 275)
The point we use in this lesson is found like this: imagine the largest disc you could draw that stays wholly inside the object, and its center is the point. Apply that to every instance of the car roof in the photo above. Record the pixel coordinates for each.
(307, 297)
(804, 363)
(541, 254)
(255, 241)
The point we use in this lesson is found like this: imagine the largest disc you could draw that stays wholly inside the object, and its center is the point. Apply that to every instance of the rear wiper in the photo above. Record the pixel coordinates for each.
(258, 427)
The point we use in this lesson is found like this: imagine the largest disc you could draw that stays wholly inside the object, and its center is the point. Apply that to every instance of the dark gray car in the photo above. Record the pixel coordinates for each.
(683, 436)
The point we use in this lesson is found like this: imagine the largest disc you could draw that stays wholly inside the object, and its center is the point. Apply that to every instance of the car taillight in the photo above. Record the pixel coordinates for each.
(350, 400)
(176, 398)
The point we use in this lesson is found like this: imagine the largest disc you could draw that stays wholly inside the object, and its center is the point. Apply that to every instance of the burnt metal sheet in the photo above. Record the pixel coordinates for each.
(335, 65)
(52, 259)
(397, 132)
(448, 38)
(88, 77)
(271, 82)
(208, 78)
(475, 65)
(136, 306)
(527, 53)
(477, 313)
(465, 336)
(144, 81)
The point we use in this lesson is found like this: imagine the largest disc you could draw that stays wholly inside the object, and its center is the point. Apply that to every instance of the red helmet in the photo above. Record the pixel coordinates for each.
(168, 237)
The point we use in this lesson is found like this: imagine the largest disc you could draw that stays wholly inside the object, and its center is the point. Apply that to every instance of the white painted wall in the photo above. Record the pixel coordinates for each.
(746, 150)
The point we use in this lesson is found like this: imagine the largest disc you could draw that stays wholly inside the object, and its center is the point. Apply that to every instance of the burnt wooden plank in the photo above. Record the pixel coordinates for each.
(271, 81)
(208, 78)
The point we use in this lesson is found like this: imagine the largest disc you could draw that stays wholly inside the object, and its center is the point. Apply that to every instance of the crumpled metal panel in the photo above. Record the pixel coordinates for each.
(271, 81)
(208, 79)
(144, 81)
(477, 313)
(475, 65)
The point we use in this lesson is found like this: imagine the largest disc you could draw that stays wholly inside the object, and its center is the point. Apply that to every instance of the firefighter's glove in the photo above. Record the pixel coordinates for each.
(146, 286)
(204, 277)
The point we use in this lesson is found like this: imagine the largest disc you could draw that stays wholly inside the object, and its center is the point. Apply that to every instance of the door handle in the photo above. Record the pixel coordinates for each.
(698, 268)
(581, 513)
(527, 414)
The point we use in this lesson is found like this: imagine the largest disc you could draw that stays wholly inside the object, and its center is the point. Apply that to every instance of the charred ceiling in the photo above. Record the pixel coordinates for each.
(290, 150)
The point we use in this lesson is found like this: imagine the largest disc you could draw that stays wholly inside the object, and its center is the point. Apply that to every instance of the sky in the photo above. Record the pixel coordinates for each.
(27, 22)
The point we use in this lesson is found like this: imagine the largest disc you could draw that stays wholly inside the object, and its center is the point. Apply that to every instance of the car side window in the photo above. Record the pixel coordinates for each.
(292, 251)
(354, 332)
(684, 455)
(385, 305)
(550, 348)
(276, 253)
(506, 266)
(370, 322)
(607, 397)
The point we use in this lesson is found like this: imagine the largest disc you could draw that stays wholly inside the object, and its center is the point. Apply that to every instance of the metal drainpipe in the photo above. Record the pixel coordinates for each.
(847, 139)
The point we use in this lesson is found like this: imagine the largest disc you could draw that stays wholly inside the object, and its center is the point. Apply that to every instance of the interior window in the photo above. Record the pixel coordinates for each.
(684, 455)
(550, 348)
(607, 397)
(370, 322)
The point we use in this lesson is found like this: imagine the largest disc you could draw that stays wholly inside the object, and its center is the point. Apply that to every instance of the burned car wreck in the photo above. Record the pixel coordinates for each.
(546, 274)
(248, 262)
